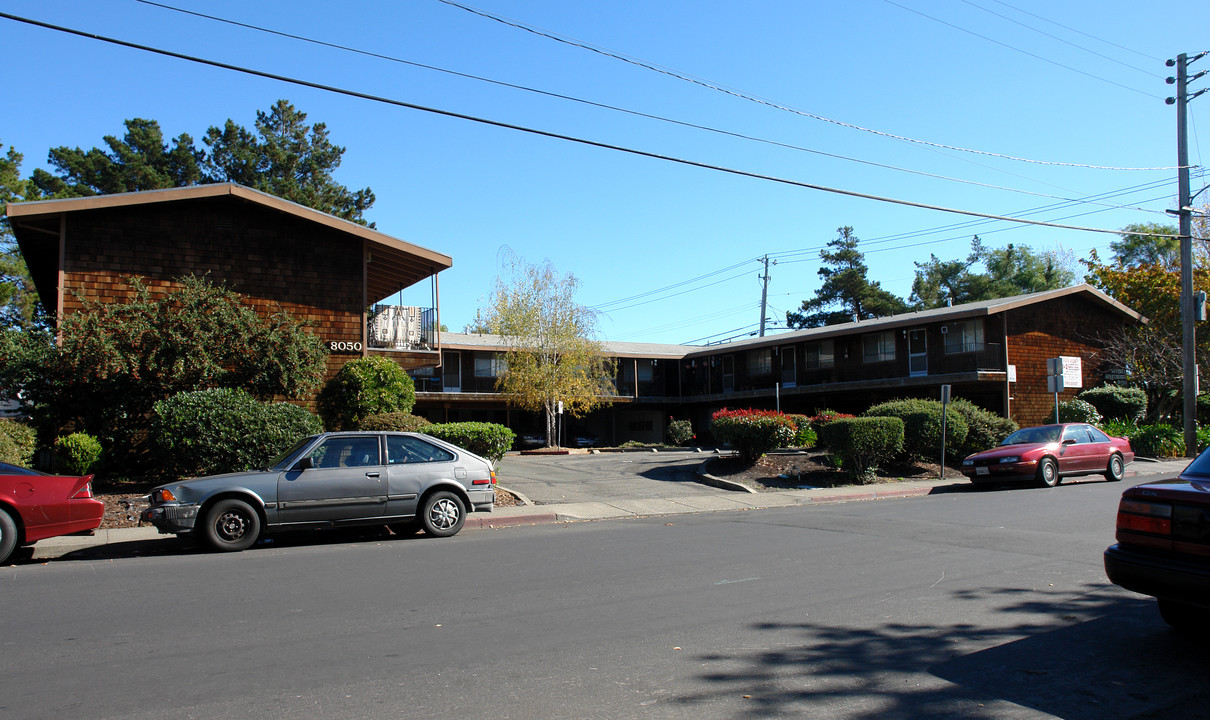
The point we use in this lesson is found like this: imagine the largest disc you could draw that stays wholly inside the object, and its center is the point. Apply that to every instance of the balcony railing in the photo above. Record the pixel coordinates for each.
(401, 327)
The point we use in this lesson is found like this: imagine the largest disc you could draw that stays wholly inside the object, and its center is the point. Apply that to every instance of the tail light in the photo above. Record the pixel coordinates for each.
(493, 477)
(84, 491)
(1142, 522)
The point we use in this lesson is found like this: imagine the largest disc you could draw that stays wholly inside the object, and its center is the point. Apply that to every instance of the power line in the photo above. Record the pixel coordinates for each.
(1019, 50)
(1062, 40)
(1078, 32)
(547, 133)
(604, 106)
(752, 98)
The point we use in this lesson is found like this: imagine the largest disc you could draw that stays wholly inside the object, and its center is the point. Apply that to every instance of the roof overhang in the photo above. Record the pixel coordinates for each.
(393, 263)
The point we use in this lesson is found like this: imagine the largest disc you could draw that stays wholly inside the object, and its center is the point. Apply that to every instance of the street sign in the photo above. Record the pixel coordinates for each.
(1069, 369)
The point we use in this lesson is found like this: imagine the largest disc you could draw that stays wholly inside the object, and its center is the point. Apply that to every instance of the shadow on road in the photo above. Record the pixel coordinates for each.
(170, 545)
(1102, 656)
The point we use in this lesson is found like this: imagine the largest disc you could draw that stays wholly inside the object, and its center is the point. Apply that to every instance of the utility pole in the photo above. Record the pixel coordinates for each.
(1185, 213)
(764, 296)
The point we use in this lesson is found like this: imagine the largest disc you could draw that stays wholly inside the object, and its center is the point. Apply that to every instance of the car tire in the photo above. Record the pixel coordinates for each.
(8, 536)
(1116, 470)
(443, 514)
(230, 525)
(1184, 617)
(1048, 473)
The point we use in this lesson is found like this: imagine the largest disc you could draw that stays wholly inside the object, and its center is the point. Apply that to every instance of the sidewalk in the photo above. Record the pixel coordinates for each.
(529, 514)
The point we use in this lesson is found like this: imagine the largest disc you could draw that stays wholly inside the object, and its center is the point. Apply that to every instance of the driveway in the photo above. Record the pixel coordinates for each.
(551, 479)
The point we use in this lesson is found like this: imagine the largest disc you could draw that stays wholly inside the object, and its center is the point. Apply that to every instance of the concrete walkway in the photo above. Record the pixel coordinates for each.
(530, 514)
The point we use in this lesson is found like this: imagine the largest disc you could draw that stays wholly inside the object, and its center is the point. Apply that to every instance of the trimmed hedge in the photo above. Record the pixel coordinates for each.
(207, 432)
(487, 440)
(752, 433)
(364, 387)
(985, 429)
(1115, 402)
(821, 418)
(17, 443)
(395, 421)
(75, 454)
(863, 444)
(922, 426)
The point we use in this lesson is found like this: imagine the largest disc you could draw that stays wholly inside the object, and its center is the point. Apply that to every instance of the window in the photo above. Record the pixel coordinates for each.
(878, 347)
(339, 452)
(489, 366)
(819, 355)
(760, 361)
(646, 374)
(406, 449)
(963, 337)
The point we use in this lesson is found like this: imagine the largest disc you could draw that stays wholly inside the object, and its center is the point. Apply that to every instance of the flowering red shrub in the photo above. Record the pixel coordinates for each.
(752, 433)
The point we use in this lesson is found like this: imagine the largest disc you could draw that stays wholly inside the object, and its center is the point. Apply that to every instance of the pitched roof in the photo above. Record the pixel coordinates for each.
(983, 308)
(394, 261)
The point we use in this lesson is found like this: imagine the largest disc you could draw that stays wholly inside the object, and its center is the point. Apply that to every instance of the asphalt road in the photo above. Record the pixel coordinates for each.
(551, 479)
(963, 604)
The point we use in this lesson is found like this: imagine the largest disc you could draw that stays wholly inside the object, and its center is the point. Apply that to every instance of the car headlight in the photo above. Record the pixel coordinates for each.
(1010, 459)
(966, 463)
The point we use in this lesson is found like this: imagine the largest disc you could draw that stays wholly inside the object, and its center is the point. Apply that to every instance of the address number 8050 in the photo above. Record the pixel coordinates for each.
(342, 346)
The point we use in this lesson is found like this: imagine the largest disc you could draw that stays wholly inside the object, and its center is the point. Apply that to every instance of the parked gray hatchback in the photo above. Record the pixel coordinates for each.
(401, 480)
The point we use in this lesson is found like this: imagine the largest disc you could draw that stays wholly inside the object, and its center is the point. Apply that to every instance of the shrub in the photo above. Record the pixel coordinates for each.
(821, 418)
(1203, 409)
(207, 432)
(1078, 411)
(364, 387)
(1115, 402)
(395, 421)
(752, 433)
(75, 454)
(679, 432)
(922, 426)
(1158, 441)
(804, 435)
(17, 443)
(488, 440)
(862, 444)
(985, 429)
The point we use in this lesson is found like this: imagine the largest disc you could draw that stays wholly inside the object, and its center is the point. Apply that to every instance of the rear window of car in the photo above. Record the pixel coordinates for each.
(1200, 465)
(406, 449)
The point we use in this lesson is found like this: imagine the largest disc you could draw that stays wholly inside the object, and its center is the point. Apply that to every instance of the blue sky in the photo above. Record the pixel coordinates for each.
(1070, 85)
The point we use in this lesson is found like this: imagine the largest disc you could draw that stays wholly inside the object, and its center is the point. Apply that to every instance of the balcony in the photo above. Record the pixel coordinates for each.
(402, 327)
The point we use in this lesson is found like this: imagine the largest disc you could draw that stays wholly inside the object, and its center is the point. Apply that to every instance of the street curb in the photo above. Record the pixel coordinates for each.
(488, 523)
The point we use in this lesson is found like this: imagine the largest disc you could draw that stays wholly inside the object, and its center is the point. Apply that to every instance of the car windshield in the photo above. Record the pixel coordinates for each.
(283, 461)
(1034, 435)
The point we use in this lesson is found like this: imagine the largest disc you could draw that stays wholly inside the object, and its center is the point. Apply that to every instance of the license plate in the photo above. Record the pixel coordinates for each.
(982, 471)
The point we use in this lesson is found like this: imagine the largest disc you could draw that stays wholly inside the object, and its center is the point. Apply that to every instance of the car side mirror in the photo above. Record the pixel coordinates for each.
(1069, 441)
(305, 464)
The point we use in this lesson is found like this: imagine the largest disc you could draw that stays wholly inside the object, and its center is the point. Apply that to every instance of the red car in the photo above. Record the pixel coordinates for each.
(35, 506)
(1163, 545)
(1049, 453)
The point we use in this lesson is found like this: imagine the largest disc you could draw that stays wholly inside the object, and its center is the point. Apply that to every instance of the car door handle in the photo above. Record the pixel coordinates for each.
(372, 474)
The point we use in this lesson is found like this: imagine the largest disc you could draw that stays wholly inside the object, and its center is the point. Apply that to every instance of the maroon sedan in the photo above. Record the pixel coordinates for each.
(1163, 545)
(35, 506)
(1049, 453)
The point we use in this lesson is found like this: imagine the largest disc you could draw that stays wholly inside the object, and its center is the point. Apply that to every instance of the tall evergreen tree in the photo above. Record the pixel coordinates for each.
(140, 160)
(285, 157)
(18, 299)
(845, 284)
